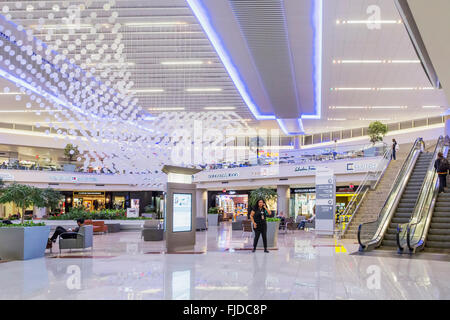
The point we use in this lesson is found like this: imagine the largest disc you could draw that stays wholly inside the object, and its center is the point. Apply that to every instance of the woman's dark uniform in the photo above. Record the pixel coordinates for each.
(260, 219)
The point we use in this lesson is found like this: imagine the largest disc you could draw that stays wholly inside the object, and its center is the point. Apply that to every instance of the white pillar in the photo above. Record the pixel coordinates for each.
(447, 125)
(283, 194)
(297, 142)
(202, 199)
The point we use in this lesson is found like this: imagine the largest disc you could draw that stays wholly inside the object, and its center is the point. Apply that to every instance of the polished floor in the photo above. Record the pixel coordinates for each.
(122, 266)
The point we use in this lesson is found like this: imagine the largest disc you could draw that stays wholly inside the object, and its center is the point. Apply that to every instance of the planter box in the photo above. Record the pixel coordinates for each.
(272, 235)
(213, 220)
(23, 243)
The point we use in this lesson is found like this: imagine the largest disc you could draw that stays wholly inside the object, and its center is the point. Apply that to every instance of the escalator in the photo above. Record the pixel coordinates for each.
(429, 226)
(400, 202)
(407, 201)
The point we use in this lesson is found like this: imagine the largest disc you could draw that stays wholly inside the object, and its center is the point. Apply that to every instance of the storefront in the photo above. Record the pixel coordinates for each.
(303, 200)
(89, 200)
(232, 202)
(98, 200)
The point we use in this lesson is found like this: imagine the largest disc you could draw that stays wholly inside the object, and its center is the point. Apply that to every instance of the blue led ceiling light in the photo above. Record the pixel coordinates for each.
(317, 26)
(203, 18)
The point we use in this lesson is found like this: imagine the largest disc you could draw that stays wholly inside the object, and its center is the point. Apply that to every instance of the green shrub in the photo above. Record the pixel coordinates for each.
(80, 213)
(25, 224)
(273, 219)
(213, 210)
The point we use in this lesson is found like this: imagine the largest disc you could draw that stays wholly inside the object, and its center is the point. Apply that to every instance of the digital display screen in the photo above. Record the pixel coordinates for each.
(182, 212)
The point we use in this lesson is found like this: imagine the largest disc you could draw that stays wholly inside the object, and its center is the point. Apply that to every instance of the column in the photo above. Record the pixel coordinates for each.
(297, 142)
(283, 195)
(202, 198)
(447, 124)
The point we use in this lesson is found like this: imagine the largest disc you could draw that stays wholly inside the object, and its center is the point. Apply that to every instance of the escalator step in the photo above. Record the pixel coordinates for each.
(398, 220)
(437, 244)
(388, 244)
(440, 220)
(439, 225)
(441, 214)
(442, 232)
(440, 238)
(390, 236)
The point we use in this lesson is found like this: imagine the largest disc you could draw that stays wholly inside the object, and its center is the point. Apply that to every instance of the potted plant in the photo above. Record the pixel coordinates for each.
(268, 195)
(26, 240)
(51, 198)
(213, 216)
(376, 131)
(70, 151)
(273, 225)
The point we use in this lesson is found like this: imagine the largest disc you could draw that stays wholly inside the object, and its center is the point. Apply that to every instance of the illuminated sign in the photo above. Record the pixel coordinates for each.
(223, 175)
(182, 212)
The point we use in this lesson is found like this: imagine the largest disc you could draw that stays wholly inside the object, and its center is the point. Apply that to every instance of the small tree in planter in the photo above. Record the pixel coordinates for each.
(26, 240)
(51, 198)
(376, 131)
(70, 151)
(261, 193)
(22, 196)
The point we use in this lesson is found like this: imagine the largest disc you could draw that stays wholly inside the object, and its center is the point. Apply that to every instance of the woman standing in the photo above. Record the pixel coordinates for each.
(394, 149)
(259, 216)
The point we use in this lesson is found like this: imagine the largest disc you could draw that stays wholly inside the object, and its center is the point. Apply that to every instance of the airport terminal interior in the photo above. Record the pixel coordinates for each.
(224, 150)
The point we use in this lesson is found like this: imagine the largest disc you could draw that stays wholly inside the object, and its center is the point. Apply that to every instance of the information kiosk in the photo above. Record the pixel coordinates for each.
(180, 213)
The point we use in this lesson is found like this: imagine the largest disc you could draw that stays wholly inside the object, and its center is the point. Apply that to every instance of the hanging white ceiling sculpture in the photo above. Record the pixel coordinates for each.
(73, 77)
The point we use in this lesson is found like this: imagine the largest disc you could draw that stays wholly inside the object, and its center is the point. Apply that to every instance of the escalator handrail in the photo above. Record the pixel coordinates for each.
(425, 214)
(364, 186)
(402, 176)
(402, 231)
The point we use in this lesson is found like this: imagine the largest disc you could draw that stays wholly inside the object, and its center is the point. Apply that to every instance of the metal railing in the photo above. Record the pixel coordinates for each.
(363, 131)
(300, 156)
(366, 184)
(371, 233)
(412, 235)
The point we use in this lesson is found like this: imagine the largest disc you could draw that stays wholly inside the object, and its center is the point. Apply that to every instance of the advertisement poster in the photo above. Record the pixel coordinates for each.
(182, 212)
(135, 203)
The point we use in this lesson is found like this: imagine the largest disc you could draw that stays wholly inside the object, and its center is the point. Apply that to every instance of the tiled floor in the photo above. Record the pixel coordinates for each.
(303, 267)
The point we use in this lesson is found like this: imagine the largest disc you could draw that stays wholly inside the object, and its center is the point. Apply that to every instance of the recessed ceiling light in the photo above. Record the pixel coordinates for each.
(27, 111)
(381, 89)
(368, 107)
(388, 107)
(374, 119)
(335, 61)
(147, 90)
(110, 64)
(10, 93)
(368, 21)
(155, 23)
(193, 62)
(203, 89)
(167, 109)
(336, 119)
(219, 108)
(62, 26)
(431, 107)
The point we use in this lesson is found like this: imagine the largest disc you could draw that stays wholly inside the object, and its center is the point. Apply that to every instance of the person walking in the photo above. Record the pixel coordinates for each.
(394, 149)
(441, 165)
(259, 220)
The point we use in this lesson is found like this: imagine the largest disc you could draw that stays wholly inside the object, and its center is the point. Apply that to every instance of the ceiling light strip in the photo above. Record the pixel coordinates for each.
(215, 40)
(318, 60)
